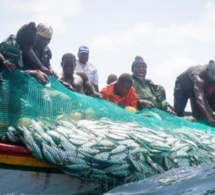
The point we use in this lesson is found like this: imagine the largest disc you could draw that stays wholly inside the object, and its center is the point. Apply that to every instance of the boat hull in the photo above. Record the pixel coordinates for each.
(21, 173)
(28, 182)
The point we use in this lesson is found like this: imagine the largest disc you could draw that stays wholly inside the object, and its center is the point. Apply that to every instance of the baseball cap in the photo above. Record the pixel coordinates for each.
(44, 30)
(83, 49)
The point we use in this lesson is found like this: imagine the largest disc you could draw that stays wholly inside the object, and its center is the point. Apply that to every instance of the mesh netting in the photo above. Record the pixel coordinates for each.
(22, 95)
(94, 139)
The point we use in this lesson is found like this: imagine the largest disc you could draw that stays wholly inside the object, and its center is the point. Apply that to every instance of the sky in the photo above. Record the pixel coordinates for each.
(170, 35)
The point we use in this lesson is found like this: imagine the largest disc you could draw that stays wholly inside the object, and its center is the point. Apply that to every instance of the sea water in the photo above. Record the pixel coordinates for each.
(196, 180)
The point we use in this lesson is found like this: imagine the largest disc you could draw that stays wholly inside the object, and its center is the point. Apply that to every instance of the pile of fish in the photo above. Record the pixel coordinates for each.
(110, 151)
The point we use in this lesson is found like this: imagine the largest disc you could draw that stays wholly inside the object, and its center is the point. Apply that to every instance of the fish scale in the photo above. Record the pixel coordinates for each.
(31, 144)
(106, 143)
(118, 149)
(115, 137)
(51, 155)
(102, 156)
(118, 156)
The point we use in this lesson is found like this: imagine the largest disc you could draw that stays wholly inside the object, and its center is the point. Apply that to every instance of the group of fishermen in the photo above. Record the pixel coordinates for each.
(28, 51)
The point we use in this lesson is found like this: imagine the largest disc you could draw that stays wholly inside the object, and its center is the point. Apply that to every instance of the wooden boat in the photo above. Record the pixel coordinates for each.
(21, 173)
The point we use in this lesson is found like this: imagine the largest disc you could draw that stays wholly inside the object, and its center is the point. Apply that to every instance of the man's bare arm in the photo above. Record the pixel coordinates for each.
(87, 86)
(29, 53)
(201, 99)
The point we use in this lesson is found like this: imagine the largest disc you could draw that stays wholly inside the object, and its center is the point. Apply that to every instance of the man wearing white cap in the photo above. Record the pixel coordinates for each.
(83, 65)
(41, 49)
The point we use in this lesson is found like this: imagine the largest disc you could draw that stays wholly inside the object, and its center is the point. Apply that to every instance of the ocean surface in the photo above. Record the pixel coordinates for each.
(196, 180)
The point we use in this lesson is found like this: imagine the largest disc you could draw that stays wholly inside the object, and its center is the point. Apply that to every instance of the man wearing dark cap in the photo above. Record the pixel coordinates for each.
(83, 65)
(148, 93)
(197, 84)
(14, 47)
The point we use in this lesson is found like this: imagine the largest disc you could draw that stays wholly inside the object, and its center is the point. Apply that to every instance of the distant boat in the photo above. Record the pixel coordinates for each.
(21, 173)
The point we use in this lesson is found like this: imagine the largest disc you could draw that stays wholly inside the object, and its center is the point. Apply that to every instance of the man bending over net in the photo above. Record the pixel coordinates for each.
(14, 47)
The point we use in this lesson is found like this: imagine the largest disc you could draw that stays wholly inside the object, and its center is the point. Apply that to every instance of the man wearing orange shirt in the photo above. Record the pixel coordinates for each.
(121, 92)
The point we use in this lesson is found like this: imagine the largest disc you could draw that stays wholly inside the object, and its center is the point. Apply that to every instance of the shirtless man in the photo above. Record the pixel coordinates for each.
(78, 80)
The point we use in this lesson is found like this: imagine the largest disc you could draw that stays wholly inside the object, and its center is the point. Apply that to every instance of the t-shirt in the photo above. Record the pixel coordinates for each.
(11, 51)
(44, 57)
(185, 77)
(89, 69)
(130, 99)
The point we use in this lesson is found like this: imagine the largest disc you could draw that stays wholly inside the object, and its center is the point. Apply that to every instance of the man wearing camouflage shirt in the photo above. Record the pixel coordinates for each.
(148, 94)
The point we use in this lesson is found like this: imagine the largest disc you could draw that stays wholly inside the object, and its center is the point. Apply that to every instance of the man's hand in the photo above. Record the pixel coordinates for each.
(9, 66)
(52, 72)
(170, 110)
(146, 103)
(39, 75)
(67, 85)
(96, 94)
(211, 121)
(70, 87)
(45, 70)
(190, 118)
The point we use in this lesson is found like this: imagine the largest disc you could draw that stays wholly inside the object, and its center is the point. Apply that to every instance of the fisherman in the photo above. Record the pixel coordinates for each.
(13, 47)
(195, 84)
(121, 92)
(83, 65)
(111, 78)
(78, 80)
(148, 94)
(41, 50)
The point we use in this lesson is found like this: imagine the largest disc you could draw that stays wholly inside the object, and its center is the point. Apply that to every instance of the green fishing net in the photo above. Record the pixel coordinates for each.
(22, 96)
(96, 140)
